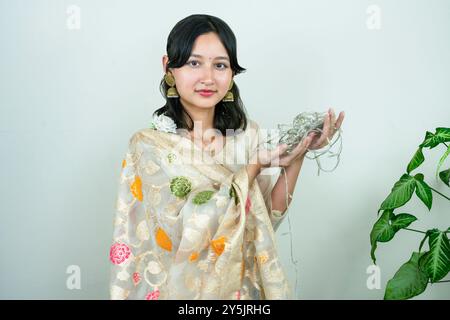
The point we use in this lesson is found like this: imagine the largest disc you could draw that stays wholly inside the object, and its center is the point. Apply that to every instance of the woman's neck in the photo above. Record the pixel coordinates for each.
(203, 119)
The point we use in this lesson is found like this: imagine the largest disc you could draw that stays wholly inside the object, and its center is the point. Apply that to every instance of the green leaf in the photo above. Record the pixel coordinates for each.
(400, 193)
(437, 263)
(386, 227)
(430, 141)
(427, 234)
(433, 139)
(423, 191)
(382, 231)
(441, 161)
(443, 133)
(416, 161)
(408, 281)
(402, 221)
(445, 176)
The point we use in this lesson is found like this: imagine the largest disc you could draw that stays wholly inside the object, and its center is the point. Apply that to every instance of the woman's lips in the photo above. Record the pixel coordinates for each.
(205, 93)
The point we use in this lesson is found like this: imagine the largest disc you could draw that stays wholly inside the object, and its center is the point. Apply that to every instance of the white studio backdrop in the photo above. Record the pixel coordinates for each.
(72, 92)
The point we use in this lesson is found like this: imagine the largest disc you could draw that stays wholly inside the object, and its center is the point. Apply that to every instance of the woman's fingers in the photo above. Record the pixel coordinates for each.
(300, 149)
(275, 154)
(325, 131)
(278, 157)
(332, 123)
(340, 120)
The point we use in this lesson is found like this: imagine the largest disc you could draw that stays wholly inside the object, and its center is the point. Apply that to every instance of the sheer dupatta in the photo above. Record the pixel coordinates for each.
(188, 228)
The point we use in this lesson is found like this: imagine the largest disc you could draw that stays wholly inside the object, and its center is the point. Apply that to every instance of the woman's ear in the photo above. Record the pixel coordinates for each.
(165, 60)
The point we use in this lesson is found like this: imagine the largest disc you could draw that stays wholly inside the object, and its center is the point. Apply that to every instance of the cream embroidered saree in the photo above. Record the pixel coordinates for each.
(191, 228)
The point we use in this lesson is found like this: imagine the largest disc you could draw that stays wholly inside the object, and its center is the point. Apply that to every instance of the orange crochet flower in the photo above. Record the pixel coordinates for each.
(218, 245)
(124, 163)
(163, 240)
(193, 257)
(136, 188)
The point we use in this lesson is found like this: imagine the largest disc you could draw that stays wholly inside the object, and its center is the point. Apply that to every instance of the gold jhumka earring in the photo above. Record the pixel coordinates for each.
(172, 91)
(229, 97)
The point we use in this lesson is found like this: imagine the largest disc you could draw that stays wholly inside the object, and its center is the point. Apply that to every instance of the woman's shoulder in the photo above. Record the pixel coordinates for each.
(145, 139)
(252, 124)
(253, 129)
(141, 135)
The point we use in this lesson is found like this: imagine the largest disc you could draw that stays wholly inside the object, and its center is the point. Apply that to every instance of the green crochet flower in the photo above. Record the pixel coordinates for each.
(180, 186)
(171, 157)
(202, 197)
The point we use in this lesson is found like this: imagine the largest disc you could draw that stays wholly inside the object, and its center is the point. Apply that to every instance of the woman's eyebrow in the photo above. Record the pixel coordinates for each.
(216, 58)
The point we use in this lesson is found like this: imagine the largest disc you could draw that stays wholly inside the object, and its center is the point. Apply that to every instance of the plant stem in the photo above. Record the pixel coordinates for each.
(415, 230)
(445, 144)
(440, 193)
(441, 281)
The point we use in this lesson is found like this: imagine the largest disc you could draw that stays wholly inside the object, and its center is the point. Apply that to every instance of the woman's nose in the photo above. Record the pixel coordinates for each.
(207, 75)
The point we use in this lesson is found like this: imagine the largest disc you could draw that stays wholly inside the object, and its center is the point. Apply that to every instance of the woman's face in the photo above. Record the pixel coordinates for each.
(208, 68)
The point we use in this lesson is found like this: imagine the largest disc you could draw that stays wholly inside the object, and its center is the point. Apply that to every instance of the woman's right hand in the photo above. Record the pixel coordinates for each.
(278, 157)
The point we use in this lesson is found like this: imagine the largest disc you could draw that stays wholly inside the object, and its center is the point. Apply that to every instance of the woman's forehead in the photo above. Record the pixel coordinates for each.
(210, 47)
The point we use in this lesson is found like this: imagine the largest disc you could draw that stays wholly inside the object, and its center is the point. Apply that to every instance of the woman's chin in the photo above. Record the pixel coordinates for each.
(206, 105)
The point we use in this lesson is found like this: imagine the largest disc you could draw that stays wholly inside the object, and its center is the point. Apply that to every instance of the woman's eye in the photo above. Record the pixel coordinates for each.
(194, 63)
(224, 65)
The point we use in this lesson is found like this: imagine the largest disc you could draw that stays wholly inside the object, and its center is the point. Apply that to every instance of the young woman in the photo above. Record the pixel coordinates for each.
(195, 218)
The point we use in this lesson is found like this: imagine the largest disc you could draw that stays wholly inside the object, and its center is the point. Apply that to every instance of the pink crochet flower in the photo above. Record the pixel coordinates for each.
(248, 204)
(154, 295)
(119, 253)
(238, 295)
(136, 278)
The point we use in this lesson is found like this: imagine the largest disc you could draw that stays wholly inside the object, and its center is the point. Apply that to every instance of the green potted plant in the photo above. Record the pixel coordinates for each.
(424, 266)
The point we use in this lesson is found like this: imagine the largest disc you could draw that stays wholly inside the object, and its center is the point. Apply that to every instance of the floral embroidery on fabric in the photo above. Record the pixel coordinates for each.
(202, 197)
(163, 240)
(171, 157)
(119, 253)
(218, 245)
(193, 256)
(136, 188)
(180, 186)
(154, 295)
(188, 240)
(262, 258)
(136, 278)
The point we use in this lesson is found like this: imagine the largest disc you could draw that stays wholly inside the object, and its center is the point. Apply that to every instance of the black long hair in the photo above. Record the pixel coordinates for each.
(227, 115)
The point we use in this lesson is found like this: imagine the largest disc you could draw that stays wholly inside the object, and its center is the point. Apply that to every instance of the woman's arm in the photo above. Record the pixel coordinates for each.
(316, 141)
(279, 190)
(253, 170)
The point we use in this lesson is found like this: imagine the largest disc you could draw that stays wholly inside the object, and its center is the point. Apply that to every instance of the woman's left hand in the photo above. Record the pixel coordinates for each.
(330, 126)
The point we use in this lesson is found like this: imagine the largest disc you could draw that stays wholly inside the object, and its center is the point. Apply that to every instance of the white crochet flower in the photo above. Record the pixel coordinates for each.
(163, 123)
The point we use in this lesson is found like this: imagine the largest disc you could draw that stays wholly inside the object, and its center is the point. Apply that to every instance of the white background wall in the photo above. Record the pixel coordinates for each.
(70, 100)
